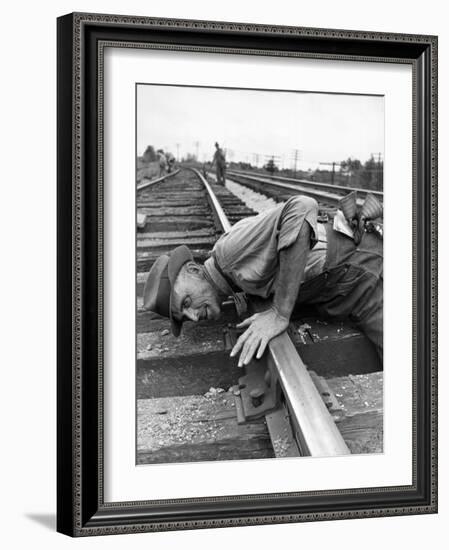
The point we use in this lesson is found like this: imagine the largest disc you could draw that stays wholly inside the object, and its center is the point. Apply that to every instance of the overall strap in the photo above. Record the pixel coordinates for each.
(230, 282)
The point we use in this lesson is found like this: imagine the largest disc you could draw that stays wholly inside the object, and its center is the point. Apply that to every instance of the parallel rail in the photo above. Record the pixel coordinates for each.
(323, 192)
(147, 183)
(313, 427)
(328, 186)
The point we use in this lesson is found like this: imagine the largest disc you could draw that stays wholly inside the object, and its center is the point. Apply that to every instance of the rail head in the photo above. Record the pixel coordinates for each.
(319, 185)
(147, 183)
(314, 428)
(220, 214)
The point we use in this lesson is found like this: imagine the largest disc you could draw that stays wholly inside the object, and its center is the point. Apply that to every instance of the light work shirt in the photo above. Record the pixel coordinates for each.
(249, 252)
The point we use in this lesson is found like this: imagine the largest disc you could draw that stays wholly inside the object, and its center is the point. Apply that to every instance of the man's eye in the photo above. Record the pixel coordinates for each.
(186, 303)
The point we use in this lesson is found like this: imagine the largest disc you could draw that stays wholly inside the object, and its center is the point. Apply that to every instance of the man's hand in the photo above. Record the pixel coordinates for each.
(262, 327)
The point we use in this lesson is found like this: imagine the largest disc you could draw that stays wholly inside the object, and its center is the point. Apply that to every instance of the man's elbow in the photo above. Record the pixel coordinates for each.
(304, 204)
(310, 203)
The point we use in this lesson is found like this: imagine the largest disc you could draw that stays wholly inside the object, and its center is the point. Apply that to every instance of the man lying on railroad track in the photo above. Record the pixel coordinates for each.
(288, 255)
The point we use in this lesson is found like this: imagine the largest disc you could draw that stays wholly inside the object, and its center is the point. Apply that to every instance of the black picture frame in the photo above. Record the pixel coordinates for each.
(81, 509)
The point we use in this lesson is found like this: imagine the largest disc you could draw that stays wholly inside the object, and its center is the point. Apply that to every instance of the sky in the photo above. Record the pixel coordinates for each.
(252, 125)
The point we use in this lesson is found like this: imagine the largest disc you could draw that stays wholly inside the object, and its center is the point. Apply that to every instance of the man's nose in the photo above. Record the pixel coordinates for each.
(192, 314)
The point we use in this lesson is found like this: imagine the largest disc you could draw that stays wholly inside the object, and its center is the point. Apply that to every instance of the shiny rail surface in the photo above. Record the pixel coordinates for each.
(323, 192)
(314, 429)
(147, 183)
(221, 216)
(328, 186)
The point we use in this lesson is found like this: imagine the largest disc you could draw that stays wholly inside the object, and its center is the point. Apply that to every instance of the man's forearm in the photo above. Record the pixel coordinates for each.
(264, 326)
(292, 262)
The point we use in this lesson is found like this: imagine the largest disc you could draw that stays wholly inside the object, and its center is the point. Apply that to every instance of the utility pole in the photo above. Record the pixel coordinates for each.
(377, 169)
(197, 145)
(177, 152)
(297, 153)
(333, 164)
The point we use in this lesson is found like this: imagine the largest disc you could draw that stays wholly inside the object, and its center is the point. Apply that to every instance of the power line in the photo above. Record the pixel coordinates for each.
(333, 164)
(297, 155)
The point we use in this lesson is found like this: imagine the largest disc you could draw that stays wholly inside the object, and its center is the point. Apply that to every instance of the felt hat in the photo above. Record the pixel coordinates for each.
(157, 293)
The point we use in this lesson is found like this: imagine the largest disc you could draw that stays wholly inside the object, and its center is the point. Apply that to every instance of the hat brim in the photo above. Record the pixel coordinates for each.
(176, 325)
(178, 258)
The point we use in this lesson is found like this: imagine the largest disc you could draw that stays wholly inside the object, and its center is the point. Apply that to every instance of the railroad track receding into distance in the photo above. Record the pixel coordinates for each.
(328, 195)
(193, 402)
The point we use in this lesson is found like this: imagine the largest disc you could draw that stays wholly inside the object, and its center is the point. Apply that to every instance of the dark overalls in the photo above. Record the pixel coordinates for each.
(220, 166)
(351, 285)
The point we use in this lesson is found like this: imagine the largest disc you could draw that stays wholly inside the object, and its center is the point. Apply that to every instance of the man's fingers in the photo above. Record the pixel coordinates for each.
(242, 339)
(248, 350)
(263, 345)
(245, 322)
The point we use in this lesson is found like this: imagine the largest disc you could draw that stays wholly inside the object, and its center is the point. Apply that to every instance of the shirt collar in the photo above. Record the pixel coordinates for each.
(341, 224)
(222, 285)
(217, 278)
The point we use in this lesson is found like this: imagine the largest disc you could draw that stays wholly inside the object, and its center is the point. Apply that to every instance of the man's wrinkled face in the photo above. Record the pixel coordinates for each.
(193, 297)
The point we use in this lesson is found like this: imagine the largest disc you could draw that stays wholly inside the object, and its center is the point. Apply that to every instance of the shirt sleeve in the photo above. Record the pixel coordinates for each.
(296, 211)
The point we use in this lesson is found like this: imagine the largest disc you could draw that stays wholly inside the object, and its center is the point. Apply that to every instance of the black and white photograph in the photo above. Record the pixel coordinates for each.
(228, 352)
(199, 350)
(259, 273)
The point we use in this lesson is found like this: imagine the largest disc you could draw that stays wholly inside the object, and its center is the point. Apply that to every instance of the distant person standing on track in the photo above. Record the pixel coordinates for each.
(220, 164)
(170, 162)
(162, 163)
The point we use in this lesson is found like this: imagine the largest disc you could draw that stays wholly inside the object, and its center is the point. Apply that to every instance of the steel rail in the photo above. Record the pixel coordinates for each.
(141, 186)
(325, 197)
(314, 428)
(329, 186)
(223, 219)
